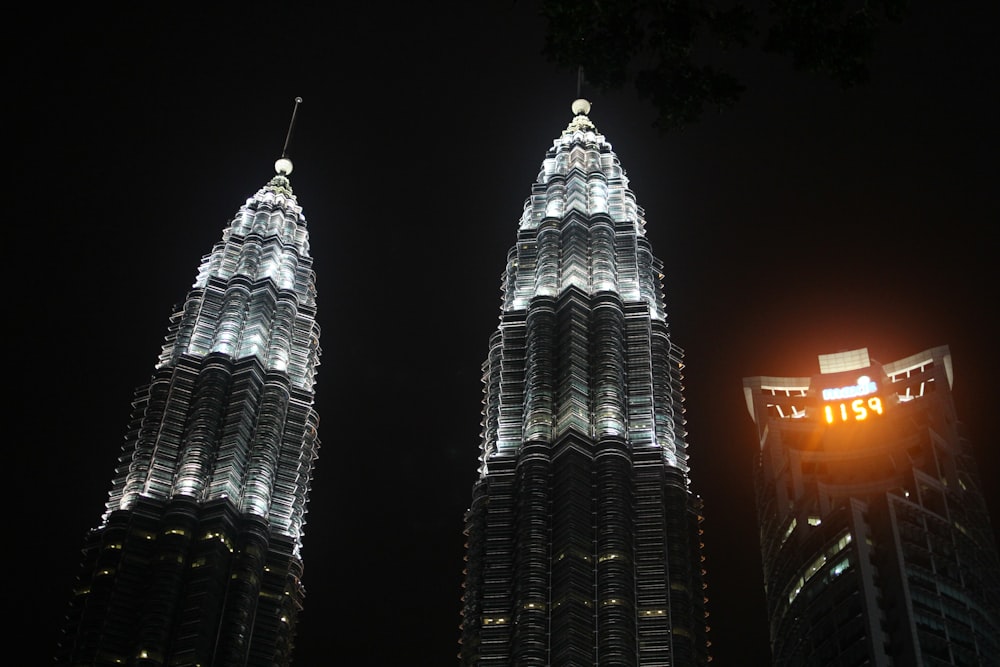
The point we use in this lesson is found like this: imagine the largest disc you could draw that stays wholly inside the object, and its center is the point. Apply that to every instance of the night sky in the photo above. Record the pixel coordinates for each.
(806, 220)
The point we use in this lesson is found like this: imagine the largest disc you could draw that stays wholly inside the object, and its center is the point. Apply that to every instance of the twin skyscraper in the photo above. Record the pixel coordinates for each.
(583, 534)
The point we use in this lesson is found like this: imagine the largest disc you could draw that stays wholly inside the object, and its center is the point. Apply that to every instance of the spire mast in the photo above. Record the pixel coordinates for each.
(284, 165)
(291, 126)
(581, 106)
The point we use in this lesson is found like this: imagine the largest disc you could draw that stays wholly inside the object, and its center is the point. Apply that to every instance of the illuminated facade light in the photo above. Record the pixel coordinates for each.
(875, 540)
(208, 501)
(583, 497)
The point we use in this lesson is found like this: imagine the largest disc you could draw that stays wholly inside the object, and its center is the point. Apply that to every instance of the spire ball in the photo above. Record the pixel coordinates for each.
(581, 107)
(283, 166)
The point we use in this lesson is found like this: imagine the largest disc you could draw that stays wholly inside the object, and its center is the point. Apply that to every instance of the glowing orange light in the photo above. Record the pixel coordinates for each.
(857, 410)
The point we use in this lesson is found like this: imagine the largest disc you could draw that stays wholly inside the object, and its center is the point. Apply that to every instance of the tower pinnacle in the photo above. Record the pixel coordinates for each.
(580, 122)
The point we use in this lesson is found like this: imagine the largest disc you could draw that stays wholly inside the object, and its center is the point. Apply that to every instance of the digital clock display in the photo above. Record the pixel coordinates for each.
(852, 403)
(857, 410)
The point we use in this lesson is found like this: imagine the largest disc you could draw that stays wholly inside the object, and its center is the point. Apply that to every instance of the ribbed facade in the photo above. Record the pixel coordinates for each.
(196, 560)
(583, 534)
(876, 543)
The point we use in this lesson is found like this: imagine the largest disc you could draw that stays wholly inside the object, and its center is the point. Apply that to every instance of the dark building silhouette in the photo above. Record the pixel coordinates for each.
(583, 533)
(196, 560)
(876, 542)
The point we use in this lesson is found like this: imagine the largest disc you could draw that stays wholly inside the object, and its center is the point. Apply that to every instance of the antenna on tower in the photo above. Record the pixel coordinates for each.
(284, 165)
(291, 126)
(581, 107)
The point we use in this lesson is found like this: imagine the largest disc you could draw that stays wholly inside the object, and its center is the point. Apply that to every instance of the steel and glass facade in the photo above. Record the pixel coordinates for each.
(197, 558)
(583, 533)
(876, 543)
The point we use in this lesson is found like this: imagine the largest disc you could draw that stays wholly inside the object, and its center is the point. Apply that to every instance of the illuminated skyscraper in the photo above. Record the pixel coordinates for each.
(196, 560)
(876, 543)
(583, 544)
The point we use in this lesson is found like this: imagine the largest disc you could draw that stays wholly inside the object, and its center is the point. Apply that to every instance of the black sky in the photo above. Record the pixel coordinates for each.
(805, 221)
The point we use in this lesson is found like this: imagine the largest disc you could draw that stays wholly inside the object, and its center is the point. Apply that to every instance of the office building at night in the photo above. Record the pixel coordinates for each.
(876, 543)
(583, 532)
(196, 560)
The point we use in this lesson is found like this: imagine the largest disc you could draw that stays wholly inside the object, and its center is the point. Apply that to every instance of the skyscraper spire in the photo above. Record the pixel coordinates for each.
(582, 533)
(197, 558)
(284, 162)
